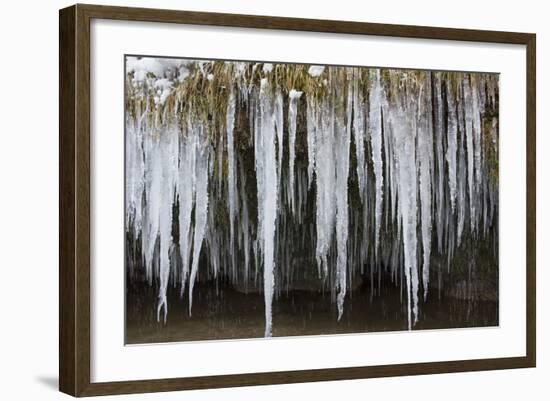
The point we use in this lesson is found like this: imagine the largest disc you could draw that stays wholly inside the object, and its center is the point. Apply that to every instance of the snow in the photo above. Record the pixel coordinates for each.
(183, 72)
(164, 87)
(160, 68)
(140, 67)
(316, 70)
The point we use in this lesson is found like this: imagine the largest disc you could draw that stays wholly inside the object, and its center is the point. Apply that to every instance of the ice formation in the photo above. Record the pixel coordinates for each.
(266, 171)
(375, 130)
(231, 179)
(252, 171)
(294, 96)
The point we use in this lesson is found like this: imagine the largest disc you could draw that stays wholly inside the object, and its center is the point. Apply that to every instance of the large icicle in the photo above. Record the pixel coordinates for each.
(186, 197)
(452, 126)
(244, 226)
(462, 173)
(359, 136)
(425, 166)
(154, 201)
(267, 182)
(294, 96)
(325, 176)
(476, 127)
(135, 174)
(201, 210)
(401, 118)
(169, 165)
(468, 117)
(375, 131)
(343, 133)
(231, 180)
(439, 161)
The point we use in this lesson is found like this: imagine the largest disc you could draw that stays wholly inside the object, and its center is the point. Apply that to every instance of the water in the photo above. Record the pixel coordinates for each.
(221, 312)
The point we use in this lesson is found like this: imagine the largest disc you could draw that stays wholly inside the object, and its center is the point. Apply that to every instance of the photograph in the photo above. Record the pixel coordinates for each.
(276, 199)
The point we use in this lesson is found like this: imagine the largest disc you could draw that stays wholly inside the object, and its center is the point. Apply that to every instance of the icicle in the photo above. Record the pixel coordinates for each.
(461, 166)
(476, 127)
(279, 125)
(201, 209)
(343, 134)
(292, 113)
(244, 226)
(267, 183)
(135, 174)
(231, 181)
(359, 136)
(375, 131)
(325, 176)
(423, 132)
(401, 117)
(451, 145)
(468, 117)
(169, 160)
(154, 201)
(311, 116)
(439, 158)
(425, 162)
(388, 165)
(390, 160)
(186, 197)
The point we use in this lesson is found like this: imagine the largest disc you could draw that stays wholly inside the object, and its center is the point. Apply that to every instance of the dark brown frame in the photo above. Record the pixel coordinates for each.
(74, 199)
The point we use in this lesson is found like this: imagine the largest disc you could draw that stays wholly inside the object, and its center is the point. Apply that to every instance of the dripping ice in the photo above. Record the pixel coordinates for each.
(412, 148)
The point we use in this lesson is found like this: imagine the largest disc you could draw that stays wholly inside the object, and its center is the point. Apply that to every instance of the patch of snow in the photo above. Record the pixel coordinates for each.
(316, 70)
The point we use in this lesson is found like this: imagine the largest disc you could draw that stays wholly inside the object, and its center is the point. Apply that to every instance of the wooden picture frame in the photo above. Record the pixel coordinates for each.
(74, 199)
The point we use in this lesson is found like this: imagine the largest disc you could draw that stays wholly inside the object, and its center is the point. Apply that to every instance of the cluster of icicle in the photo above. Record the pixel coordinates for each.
(417, 148)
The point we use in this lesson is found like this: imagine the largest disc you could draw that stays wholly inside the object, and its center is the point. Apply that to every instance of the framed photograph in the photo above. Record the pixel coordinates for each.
(250, 200)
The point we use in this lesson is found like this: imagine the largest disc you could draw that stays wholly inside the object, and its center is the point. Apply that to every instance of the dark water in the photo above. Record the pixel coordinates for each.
(224, 313)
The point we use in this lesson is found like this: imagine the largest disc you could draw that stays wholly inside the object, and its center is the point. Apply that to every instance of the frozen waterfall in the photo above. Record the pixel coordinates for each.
(259, 174)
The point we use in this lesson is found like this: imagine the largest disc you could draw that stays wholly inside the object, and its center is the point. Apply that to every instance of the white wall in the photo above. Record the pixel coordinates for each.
(28, 200)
